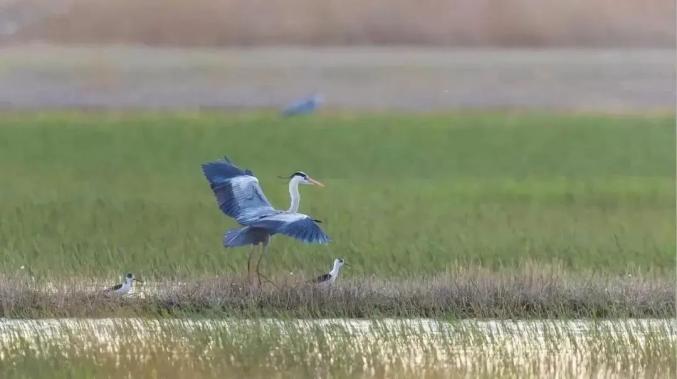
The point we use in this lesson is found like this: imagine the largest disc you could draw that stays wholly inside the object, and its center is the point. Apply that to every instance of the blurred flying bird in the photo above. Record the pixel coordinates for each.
(304, 106)
(124, 287)
(330, 277)
(239, 196)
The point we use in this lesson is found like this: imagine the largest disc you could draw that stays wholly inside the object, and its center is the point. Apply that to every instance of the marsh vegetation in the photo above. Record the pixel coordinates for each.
(447, 217)
(95, 195)
(338, 348)
(536, 292)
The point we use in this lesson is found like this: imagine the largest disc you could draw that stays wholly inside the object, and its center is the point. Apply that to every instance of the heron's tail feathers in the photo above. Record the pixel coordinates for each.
(235, 237)
(243, 236)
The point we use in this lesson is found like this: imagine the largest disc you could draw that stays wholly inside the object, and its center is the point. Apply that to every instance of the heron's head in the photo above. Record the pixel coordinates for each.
(305, 179)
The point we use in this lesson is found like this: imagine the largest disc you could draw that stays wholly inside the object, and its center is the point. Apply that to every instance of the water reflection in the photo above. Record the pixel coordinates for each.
(360, 347)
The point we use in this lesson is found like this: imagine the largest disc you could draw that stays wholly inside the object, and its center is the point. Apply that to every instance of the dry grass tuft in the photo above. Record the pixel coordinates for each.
(465, 293)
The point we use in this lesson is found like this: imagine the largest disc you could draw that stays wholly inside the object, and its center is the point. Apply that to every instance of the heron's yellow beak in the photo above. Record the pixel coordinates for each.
(315, 182)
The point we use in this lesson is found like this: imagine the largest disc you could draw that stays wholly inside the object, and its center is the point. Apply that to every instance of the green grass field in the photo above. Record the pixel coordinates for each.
(97, 193)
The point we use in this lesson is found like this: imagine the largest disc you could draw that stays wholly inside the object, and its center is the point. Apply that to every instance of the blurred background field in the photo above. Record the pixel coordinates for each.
(591, 23)
(374, 78)
(437, 55)
(101, 193)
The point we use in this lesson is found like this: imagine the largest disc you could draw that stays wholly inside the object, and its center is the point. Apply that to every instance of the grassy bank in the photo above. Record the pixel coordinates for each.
(95, 194)
(533, 293)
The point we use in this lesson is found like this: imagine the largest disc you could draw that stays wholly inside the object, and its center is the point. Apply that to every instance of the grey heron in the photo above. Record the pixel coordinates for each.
(240, 196)
(330, 277)
(124, 287)
(305, 105)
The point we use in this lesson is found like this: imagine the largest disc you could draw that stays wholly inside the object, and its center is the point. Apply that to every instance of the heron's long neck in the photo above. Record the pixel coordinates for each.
(335, 270)
(294, 194)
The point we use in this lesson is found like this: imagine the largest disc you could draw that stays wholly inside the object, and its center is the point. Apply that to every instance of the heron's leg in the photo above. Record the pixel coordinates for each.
(258, 264)
(249, 264)
(267, 279)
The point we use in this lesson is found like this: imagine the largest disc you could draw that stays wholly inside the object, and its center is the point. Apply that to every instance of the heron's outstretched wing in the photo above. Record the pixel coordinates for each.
(295, 225)
(237, 191)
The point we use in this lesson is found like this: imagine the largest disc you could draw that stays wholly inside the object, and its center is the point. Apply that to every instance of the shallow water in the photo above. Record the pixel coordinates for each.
(363, 348)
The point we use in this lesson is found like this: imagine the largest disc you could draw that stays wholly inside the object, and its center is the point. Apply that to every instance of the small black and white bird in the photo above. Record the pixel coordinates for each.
(330, 277)
(124, 287)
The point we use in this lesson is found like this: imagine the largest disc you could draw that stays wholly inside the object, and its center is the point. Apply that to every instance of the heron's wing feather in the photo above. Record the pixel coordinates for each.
(294, 225)
(237, 191)
(244, 236)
